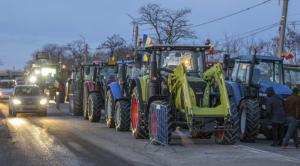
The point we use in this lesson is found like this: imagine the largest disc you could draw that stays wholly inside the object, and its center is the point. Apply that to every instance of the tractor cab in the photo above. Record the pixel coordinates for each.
(257, 73)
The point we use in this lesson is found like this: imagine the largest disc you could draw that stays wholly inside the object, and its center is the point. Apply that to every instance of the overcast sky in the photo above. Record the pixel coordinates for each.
(27, 25)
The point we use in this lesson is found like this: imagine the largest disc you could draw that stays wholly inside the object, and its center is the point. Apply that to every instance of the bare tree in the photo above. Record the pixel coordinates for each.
(112, 43)
(232, 46)
(152, 15)
(168, 25)
(77, 49)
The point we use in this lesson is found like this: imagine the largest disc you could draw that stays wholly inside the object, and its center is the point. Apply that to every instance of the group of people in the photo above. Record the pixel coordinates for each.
(284, 113)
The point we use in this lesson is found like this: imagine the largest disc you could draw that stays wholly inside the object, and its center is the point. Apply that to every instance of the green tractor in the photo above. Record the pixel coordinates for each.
(180, 91)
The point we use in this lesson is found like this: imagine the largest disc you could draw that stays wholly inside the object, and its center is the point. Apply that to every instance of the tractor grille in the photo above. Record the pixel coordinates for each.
(198, 88)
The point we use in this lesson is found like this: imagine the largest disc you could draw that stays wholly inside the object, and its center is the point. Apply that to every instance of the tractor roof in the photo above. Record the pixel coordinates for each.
(176, 47)
(125, 62)
(291, 67)
(259, 57)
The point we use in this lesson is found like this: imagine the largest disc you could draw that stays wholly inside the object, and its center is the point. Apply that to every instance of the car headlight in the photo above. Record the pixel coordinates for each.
(44, 101)
(17, 102)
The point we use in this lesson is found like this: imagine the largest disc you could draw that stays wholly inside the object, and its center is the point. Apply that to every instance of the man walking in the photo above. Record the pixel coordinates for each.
(292, 109)
(275, 109)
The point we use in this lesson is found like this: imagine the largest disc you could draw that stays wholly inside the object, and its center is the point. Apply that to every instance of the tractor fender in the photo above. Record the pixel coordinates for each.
(136, 83)
(234, 91)
(90, 86)
(115, 89)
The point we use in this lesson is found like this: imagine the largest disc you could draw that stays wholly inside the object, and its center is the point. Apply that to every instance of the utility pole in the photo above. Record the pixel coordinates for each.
(136, 35)
(85, 53)
(282, 29)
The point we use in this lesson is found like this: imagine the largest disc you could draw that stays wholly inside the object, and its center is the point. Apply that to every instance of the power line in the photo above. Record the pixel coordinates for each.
(232, 14)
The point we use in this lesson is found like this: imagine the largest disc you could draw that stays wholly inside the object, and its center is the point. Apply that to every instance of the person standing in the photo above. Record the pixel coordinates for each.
(292, 109)
(275, 109)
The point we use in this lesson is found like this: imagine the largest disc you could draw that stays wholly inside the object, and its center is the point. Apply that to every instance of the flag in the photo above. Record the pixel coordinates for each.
(147, 40)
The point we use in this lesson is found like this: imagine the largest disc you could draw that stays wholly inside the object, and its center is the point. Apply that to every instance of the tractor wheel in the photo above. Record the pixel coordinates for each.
(94, 107)
(160, 123)
(77, 98)
(85, 103)
(122, 115)
(249, 120)
(109, 110)
(139, 124)
(229, 134)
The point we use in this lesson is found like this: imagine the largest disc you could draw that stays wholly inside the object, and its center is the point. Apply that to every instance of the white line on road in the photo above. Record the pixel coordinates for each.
(269, 154)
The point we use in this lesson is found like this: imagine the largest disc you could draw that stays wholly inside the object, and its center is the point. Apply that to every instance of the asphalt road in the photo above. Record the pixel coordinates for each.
(61, 139)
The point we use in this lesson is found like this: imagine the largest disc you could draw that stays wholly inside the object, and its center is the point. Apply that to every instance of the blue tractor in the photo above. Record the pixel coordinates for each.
(250, 77)
(117, 100)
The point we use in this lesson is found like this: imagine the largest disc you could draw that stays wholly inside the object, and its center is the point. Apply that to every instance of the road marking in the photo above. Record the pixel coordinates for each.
(269, 154)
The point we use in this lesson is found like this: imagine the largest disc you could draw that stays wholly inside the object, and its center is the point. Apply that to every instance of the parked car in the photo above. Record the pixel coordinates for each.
(28, 99)
(6, 89)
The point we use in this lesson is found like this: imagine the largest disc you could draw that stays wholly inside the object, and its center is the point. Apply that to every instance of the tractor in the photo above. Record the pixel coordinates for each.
(88, 84)
(180, 91)
(117, 103)
(250, 77)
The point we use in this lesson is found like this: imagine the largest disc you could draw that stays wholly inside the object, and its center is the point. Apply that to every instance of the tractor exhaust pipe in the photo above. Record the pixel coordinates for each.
(154, 83)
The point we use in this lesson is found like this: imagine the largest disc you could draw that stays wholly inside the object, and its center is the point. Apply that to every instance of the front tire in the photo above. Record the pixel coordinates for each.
(122, 115)
(109, 110)
(229, 134)
(77, 97)
(94, 107)
(249, 120)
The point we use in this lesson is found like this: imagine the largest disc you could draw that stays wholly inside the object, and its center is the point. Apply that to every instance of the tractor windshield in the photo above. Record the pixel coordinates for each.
(292, 77)
(264, 71)
(108, 70)
(172, 59)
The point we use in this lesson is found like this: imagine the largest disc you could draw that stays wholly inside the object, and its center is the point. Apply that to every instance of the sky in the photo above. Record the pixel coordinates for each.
(27, 25)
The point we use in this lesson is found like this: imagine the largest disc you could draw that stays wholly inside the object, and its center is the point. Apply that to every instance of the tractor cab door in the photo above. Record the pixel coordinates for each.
(241, 75)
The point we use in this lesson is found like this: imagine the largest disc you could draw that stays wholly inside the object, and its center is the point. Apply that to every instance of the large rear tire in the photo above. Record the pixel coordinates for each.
(122, 115)
(249, 120)
(85, 103)
(139, 119)
(109, 110)
(77, 97)
(94, 107)
(159, 129)
(230, 133)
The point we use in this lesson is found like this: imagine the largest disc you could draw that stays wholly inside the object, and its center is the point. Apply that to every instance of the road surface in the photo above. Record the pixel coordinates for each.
(61, 139)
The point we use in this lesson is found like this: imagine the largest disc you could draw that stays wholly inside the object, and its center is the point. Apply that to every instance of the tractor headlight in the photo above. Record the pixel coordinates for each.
(32, 79)
(43, 101)
(16, 102)
(37, 71)
(0, 93)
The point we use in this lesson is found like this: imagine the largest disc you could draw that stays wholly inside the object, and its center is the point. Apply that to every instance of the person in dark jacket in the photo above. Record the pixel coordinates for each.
(275, 109)
(292, 110)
